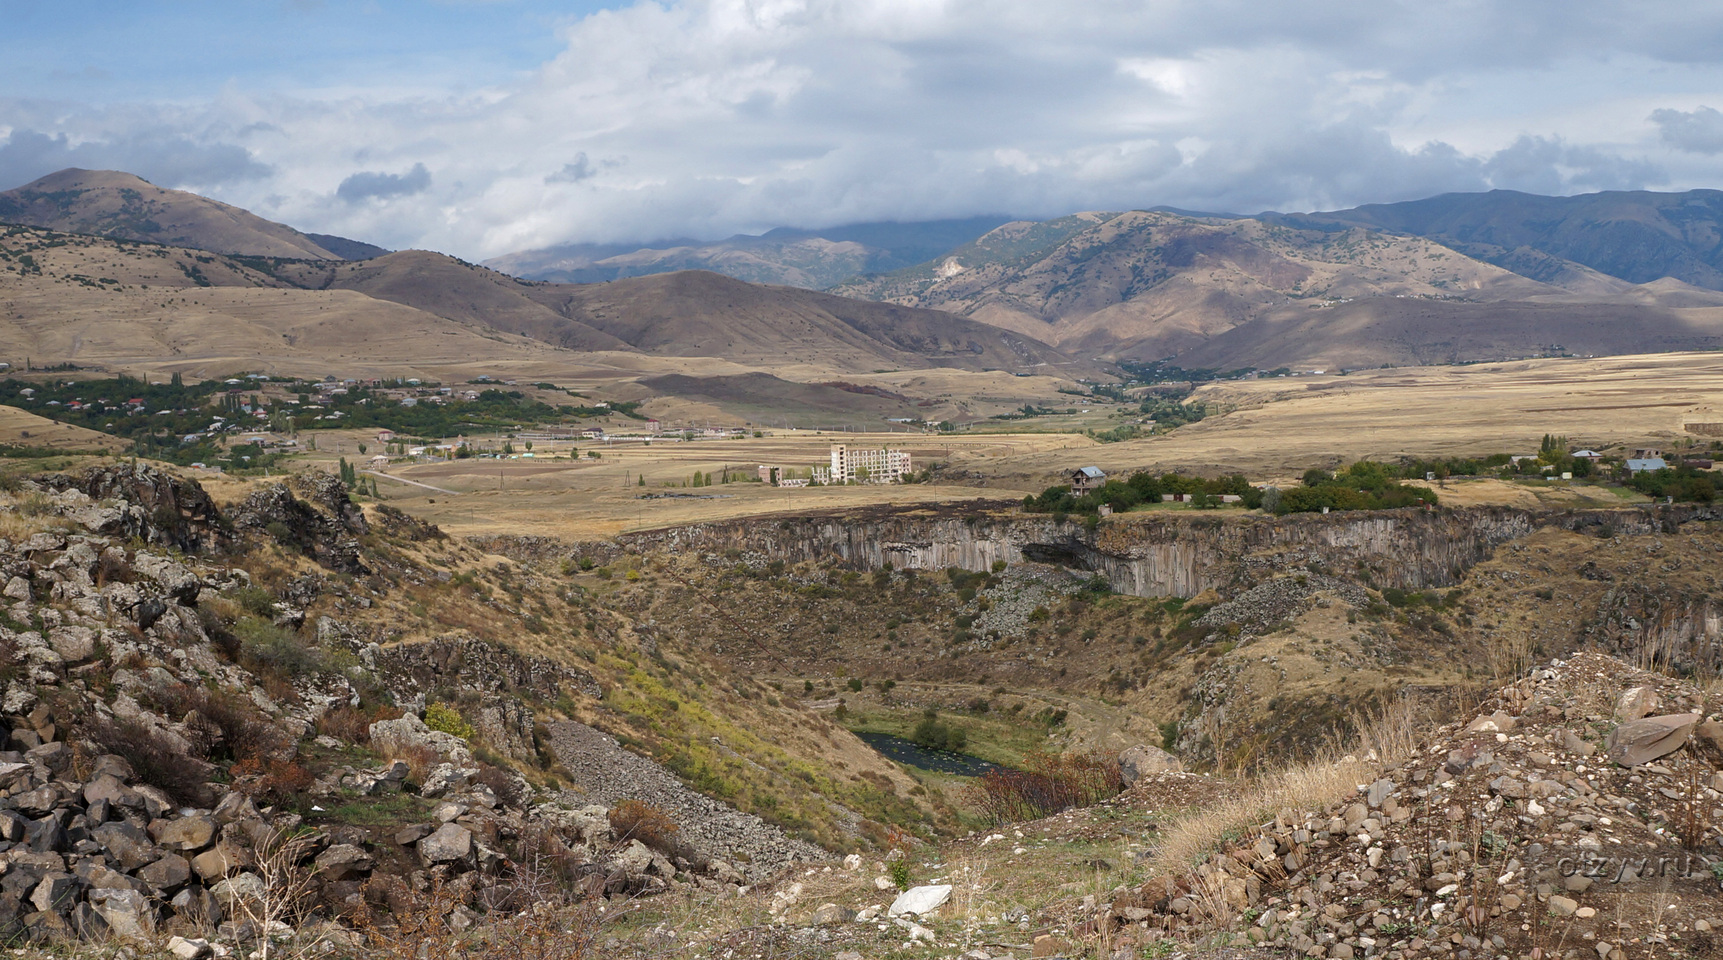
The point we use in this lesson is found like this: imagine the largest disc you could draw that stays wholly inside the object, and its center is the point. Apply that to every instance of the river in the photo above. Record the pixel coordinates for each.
(912, 754)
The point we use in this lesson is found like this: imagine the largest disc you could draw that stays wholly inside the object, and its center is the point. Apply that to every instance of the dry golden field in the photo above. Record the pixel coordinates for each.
(27, 429)
(1283, 426)
(637, 485)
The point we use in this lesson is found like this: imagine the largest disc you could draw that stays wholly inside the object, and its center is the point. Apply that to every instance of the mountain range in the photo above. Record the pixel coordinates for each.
(1454, 278)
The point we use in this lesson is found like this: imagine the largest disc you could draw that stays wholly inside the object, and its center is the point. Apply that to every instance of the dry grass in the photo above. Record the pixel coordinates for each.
(1385, 738)
(1280, 427)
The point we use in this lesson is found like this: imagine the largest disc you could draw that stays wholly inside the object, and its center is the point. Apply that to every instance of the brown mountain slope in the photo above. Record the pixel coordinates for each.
(145, 307)
(696, 313)
(689, 314)
(1150, 284)
(456, 290)
(109, 203)
(1407, 332)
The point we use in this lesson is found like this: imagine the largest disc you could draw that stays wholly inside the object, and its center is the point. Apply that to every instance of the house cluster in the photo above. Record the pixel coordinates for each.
(848, 465)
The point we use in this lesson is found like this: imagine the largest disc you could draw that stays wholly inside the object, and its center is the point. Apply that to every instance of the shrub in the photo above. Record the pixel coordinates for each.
(265, 648)
(899, 870)
(1050, 783)
(503, 784)
(353, 724)
(221, 726)
(638, 820)
(441, 716)
(154, 758)
(253, 600)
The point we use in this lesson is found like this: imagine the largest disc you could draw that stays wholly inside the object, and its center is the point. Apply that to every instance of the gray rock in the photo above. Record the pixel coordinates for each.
(634, 859)
(127, 913)
(451, 843)
(168, 874)
(126, 844)
(185, 835)
(238, 890)
(55, 893)
(185, 949)
(919, 901)
(344, 861)
(1642, 741)
(409, 835)
(1143, 759)
(1637, 703)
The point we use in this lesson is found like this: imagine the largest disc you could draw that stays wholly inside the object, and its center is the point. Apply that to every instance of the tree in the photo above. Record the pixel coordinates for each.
(361, 449)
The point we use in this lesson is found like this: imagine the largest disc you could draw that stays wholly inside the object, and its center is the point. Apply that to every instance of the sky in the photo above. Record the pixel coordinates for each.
(480, 127)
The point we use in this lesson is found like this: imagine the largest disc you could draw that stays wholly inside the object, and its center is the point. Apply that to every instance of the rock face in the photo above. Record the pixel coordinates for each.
(1158, 556)
(138, 501)
(1639, 742)
(277, 512)
(1143, 759)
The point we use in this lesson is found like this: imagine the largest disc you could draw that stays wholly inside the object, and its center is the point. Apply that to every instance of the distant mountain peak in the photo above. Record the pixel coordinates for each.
(124, 206)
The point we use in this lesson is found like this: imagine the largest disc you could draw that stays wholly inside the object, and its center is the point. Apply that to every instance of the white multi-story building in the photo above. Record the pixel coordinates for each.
(868, 466)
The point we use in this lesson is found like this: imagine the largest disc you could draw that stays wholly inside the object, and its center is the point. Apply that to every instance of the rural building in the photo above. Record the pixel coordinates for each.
(1591, 455)
(1084, 479)
(1646, 464)
(385, 436)
(868, 466)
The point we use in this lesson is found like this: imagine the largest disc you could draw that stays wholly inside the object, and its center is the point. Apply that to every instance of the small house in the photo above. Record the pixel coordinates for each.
(1084, 479)
(1591, 455)
(385, 436)
(1646, 464)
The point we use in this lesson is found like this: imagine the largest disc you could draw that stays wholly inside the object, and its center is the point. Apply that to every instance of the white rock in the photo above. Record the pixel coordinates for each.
(920, 901)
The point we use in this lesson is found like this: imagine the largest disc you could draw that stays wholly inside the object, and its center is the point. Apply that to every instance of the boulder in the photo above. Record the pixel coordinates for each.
(197, 906)
(168, 874)
(408, 735)
(1637, 703)
(185, 835)
(1642, 741)
(55, 893)
(127, 913)
(126, 845)
(238, 890)
(1143, 759)
(1497, 722)
(919, 901)
(451, 843)
(344, 861)
(634, 859)
(184, 949)
(219, 861)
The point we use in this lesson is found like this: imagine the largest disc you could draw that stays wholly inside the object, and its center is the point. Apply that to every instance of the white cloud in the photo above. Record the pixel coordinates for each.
(707, 117)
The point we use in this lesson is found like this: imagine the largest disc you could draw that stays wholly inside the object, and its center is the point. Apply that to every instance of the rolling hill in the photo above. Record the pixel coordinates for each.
(107, 203)
(690, 314)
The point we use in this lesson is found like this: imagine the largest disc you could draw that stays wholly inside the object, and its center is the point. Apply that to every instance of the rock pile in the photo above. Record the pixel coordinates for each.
(1545, 827)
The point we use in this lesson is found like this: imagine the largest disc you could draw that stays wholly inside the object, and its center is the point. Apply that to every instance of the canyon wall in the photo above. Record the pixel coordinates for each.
(1162, 554)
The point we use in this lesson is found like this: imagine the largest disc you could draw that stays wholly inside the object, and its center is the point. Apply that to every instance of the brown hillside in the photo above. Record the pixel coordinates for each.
(695, 313)
(109, 203)
(458, 291)
(1232, 293)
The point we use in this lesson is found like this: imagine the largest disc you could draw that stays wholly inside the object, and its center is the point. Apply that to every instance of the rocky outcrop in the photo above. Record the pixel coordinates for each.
(138, 501)
(1159, 554)
(327, 539)
(1483, 837)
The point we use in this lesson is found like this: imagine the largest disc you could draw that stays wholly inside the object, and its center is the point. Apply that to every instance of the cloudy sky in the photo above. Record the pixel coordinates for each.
(478, 127)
